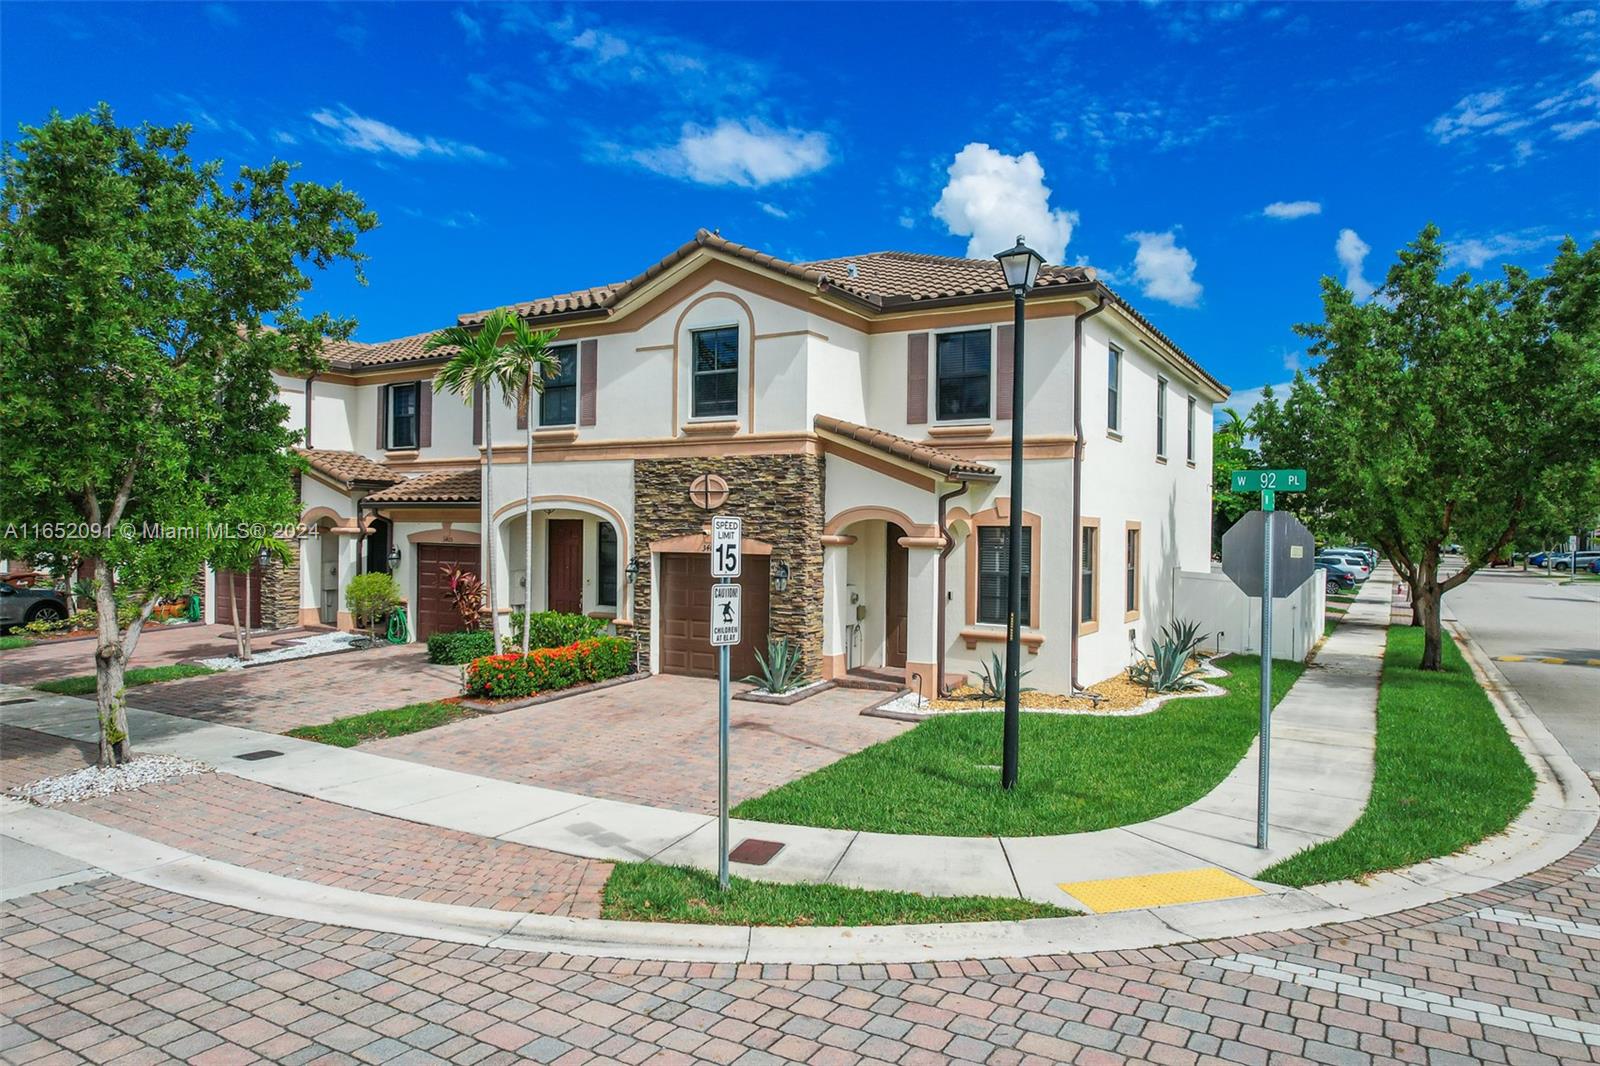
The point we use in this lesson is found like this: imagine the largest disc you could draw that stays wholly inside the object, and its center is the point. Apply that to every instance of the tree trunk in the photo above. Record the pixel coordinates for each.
(527, 529)
(245, 647)
(110, 665)
(233, 602)
(488, 511)
(1429, 601)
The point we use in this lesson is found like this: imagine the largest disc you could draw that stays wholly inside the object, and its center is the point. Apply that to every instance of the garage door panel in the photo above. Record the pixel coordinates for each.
(433, 610)
(685, 616)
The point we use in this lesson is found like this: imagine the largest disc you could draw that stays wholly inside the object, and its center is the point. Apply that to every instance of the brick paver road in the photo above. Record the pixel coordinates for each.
(115, 972)
(653, 741)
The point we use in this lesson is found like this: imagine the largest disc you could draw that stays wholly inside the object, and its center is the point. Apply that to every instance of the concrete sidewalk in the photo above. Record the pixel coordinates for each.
(1322, 754)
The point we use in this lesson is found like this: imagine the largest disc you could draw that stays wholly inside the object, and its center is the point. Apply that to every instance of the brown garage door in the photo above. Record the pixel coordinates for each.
(230, 583)
(686, 616)
(432, 609)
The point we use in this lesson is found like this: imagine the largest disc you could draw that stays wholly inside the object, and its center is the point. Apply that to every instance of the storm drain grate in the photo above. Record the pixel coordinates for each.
(19, 699)
(754, 852)
(256, 756)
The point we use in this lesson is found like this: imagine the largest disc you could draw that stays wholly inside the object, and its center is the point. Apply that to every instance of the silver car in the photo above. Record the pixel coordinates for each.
(21, 606)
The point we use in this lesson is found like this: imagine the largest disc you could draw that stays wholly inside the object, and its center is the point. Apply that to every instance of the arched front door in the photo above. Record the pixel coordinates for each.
(896, 561)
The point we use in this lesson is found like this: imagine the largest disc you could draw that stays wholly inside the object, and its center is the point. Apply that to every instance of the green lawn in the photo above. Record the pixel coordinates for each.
(1447, 774)
(12, 641)
(396, 722)
(138, 675)
(644, 892)
(1077, 772)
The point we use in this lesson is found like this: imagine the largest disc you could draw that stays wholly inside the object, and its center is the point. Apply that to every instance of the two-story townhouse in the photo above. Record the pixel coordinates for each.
(855, 412)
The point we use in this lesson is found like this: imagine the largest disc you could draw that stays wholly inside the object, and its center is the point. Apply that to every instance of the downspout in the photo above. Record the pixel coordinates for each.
(1077, 476)
(944, 554)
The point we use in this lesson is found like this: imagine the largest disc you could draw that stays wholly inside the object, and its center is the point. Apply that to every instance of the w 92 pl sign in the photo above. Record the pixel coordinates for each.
(1269, 481)
(726, 532)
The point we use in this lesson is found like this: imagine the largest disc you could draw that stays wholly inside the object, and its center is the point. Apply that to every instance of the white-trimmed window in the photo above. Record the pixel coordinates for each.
(558, 403)
(1114, 389)
(405, 415)
(1190, 429)
(715, 373)
(962, 376)
(1161, 417)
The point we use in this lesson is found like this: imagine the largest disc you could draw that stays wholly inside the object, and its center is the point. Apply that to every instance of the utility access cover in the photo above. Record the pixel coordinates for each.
(1294, 552)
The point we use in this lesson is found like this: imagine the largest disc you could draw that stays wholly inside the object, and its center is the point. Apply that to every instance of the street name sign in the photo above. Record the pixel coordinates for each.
(724, 615)
(1269, 481)
(726, 534)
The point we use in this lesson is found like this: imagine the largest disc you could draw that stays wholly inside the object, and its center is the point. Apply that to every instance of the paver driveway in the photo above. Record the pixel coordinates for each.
(652, 741)
(115, 972)
(158, 646)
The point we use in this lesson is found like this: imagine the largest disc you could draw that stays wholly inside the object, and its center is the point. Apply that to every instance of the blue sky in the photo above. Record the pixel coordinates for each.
(1212, 161)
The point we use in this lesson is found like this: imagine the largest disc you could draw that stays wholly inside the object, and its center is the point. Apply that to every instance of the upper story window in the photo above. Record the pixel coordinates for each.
(1161, 417)
(1190, 429)
(404, 420)
(1114, 389)
(716, 372)
(558, 404)
(994, 563)
(963, 375)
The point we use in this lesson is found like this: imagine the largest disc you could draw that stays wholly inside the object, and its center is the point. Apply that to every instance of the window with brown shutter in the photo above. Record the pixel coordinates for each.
(1004, 370)
(588, 360)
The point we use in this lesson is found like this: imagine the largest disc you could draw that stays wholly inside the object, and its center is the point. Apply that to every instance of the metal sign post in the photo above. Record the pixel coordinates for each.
(726, 563)
(1299, 566)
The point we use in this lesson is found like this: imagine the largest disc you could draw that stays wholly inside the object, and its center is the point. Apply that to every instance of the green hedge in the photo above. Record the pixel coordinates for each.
(455, 649)
(512, 676)
(552, 629)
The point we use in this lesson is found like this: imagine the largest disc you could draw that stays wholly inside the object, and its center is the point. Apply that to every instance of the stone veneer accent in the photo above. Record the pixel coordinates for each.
(280, 590)
(780, 498)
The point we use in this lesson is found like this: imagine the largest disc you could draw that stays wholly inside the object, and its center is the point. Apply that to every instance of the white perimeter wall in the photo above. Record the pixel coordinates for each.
(1232, 620)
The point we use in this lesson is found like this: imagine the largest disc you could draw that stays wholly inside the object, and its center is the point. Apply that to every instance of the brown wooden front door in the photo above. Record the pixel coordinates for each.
(432, 610)
(564, 568)
(895, 578)
(686, 616)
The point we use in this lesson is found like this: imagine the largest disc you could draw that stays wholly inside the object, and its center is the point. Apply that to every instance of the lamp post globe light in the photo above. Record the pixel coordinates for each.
(1021, 268)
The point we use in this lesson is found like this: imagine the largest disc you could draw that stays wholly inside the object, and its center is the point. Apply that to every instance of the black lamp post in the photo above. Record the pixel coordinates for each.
(1021, 266)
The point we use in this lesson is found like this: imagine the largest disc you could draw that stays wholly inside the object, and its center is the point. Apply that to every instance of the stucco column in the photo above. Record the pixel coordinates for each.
(350, 545)
(309, 563)
(922, 606)
(836, 610)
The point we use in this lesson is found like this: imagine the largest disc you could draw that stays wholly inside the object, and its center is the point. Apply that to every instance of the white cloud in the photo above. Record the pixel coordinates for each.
(1476, 113)
(363, 134)
(1164, 269)
(748, 154)
(1352, 252)
(773, 209)
(992, 197)
(284, 137)
(1244, 400)
(1566, 131)
(1476, 252)
(1289, 209)
(469, 26)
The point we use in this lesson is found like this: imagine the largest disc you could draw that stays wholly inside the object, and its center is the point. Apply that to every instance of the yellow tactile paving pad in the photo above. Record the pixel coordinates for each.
(1158, 890)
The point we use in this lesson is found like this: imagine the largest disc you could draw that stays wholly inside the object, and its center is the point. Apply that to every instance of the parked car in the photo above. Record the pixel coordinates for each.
(1340, 565)
(1354, 559)
(1574, 560)
(19, 606)
(1364, 556)
(1594, 567)
(1336, 580)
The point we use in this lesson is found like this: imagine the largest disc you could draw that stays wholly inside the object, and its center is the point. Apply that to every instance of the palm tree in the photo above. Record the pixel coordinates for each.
(527, 361)
(479, 363)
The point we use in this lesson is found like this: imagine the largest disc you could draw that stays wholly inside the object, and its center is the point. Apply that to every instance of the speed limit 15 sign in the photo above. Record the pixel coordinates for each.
(726, 533)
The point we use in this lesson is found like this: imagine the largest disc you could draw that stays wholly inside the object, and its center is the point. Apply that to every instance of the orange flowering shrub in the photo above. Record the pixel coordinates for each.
(512, 676)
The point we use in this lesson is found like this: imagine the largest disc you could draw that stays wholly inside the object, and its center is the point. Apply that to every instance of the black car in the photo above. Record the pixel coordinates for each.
(1336, 580)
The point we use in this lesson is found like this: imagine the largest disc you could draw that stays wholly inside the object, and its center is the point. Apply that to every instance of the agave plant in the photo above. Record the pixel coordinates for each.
(778, 670)
(1166, 668)
(992, 678)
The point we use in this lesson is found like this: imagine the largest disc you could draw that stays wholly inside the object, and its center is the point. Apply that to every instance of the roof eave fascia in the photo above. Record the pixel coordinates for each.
(1180, 361)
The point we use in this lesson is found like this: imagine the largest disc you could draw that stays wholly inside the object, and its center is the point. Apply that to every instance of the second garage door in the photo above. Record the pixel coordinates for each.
(686, 616)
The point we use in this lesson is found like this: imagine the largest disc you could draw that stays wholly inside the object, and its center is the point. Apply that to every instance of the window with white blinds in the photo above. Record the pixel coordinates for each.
(994, 563)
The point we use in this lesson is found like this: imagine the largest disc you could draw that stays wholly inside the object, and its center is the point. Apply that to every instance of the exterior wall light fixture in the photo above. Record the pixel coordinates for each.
(780, 577)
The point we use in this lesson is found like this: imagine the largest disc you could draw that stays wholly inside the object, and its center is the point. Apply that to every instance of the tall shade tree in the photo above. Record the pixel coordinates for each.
(478, 366)
(1446, 411)
(528, 361)
(133, 286)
